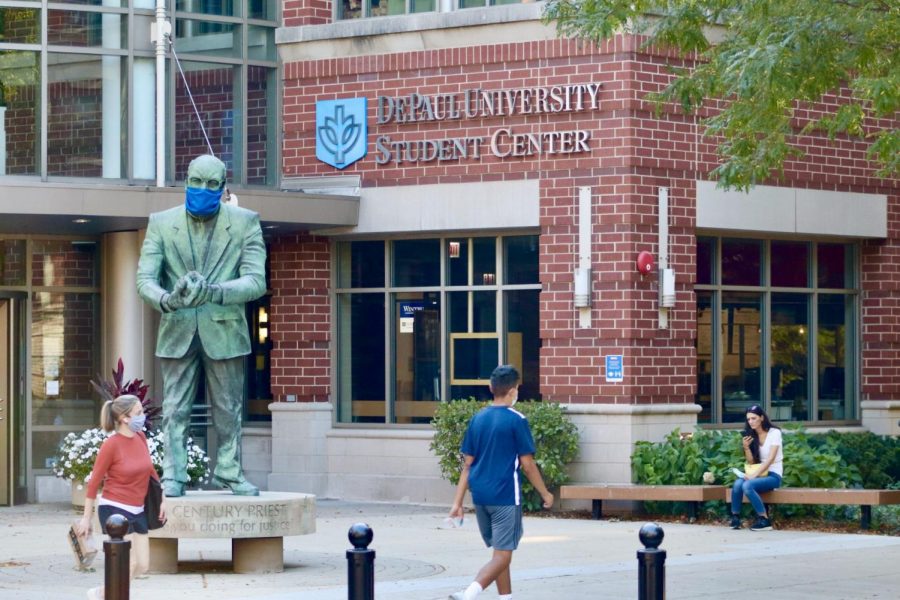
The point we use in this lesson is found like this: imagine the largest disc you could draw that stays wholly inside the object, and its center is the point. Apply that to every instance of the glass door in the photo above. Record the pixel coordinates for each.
(13, 483)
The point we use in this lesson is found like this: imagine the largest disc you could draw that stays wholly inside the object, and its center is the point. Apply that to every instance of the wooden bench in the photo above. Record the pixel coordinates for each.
(866, 499)
(597, 493)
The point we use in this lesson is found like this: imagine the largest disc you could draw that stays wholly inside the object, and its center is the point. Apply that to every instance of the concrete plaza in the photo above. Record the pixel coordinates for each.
(418, 558)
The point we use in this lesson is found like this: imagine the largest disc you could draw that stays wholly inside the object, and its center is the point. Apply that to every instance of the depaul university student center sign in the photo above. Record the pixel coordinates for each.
(342, 124)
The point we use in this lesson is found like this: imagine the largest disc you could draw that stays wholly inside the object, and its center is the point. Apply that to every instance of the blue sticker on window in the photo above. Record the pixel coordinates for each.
(341, 131)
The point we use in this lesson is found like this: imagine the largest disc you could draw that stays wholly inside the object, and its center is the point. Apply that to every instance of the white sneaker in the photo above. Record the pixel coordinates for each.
(457, 595)
(95, 593)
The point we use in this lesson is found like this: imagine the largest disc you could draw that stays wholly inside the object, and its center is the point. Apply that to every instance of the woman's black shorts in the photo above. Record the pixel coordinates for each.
(136, 523)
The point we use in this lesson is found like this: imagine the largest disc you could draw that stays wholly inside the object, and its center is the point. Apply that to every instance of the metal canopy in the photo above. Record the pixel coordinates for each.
(53, 208)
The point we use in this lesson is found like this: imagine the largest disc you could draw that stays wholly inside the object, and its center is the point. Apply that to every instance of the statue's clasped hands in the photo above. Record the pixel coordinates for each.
(192, 290)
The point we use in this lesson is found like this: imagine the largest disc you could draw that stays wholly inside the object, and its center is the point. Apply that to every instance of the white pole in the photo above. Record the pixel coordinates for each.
(663, 198)
(583, 272)
(162, 32)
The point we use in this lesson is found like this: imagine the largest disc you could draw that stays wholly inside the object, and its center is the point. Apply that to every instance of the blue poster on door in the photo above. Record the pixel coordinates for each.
(408, 311)
(615, 372)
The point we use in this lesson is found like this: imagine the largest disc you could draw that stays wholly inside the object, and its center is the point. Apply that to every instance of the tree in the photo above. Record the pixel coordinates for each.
(774, 58)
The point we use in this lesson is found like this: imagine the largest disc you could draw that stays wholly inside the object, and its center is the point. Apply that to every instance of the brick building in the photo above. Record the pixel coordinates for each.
(503, 162)
(448, 185)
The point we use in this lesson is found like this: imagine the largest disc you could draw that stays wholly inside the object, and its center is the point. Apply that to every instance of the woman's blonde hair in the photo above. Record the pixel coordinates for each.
(114, 410)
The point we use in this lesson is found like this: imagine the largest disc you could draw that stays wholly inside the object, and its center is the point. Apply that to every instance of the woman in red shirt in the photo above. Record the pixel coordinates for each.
(124, 468)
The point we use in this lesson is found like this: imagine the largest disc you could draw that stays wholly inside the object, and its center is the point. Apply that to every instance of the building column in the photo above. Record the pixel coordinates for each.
(127, 321)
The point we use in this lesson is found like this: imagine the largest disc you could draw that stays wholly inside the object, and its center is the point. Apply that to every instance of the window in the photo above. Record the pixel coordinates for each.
(361, 9)
(76, 105)
(776, 326)
(423, 321)
(358, 9)
(65, 327)
(229, 61)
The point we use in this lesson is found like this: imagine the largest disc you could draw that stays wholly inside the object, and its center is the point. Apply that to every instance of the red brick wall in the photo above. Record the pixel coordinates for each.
(300, 317)
(634, 152)
(306, 12)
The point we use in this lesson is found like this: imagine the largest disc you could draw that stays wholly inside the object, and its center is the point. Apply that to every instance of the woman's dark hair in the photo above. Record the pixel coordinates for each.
(757, 410)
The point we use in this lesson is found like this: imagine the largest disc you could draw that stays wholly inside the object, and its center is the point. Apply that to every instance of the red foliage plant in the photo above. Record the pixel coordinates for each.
(111, 389)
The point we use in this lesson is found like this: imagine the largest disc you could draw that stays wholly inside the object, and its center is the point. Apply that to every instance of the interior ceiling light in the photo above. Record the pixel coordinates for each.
(81, 221)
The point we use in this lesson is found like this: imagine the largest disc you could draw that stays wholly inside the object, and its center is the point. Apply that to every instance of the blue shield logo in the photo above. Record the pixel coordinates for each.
(341, 131)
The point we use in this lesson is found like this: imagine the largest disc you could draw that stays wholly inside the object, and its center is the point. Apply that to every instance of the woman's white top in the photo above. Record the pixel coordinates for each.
(773, 439)
(135, 510)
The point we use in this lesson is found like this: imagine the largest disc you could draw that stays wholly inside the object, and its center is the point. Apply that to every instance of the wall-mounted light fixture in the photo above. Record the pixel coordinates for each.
(262, 325)
(453, 250)
(487, 278)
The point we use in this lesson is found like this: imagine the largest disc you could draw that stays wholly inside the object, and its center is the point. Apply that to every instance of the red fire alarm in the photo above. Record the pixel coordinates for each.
(644, 263)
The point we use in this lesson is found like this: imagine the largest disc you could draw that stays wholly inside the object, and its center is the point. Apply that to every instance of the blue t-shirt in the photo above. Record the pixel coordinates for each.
(496, 437)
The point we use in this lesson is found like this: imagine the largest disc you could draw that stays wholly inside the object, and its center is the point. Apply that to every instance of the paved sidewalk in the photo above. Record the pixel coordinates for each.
(419, 559)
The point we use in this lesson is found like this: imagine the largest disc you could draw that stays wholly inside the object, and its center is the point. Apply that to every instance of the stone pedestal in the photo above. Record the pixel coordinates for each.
(256, 526)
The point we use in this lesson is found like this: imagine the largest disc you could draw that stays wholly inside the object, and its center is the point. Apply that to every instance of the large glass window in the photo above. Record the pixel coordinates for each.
(80, 102)
(20, 97)
(214, 88)
(231, 77)
(65, 333)
(86, 127)
(357, 9)
(431, 326)
(763, 342)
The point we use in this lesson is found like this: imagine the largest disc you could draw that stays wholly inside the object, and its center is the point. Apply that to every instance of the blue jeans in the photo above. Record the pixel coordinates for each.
(752, 489)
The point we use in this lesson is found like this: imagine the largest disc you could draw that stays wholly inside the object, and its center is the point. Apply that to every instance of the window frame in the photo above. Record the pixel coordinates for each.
(852, 352)
(389, 293)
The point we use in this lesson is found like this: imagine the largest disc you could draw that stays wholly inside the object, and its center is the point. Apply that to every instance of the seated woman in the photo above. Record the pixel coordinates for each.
(762, 446)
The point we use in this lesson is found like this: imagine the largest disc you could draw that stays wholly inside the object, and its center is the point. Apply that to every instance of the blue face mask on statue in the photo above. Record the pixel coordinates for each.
(202, 202)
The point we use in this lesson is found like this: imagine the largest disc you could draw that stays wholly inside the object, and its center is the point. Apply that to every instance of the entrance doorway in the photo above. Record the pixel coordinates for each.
(12, 448)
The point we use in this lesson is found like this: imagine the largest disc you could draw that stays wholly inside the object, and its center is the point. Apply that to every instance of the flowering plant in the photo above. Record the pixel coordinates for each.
(197, 460)
(76, 455)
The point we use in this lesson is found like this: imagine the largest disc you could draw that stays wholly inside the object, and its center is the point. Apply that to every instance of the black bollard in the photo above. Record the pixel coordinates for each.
(117, 554)
(651, 564)
(360, 564)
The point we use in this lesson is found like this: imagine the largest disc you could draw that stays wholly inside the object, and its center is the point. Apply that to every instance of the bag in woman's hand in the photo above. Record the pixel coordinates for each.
(84, 547)
(152, 502)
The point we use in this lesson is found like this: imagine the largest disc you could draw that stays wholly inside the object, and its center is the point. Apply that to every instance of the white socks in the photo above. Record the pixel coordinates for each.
(505, 597)
(472, 591)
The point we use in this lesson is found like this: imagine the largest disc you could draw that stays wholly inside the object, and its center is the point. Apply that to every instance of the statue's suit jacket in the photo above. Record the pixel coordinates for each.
(236, 261)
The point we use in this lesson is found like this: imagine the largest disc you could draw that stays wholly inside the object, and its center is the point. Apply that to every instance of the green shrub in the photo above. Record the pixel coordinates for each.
(683, 459)
(555, 440)
(877, 457)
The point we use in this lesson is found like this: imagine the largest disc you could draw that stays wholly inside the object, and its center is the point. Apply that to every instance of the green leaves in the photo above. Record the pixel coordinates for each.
(555, 440)
(781, 67)
(831, 460)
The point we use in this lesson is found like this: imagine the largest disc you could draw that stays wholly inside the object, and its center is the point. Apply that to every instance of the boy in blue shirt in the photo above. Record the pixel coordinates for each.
(497, 442)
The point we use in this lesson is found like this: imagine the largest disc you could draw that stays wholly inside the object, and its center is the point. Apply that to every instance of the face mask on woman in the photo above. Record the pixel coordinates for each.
(137, 423)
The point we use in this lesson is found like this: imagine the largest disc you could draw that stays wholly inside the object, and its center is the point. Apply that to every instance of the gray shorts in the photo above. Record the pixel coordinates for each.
(500, 526)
